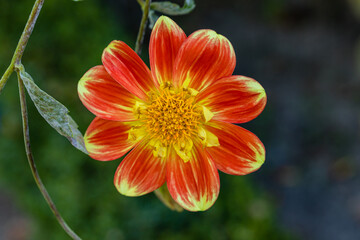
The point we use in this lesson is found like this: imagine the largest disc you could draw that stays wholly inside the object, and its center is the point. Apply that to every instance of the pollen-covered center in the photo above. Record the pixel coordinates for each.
(172, 116)
(172, 121)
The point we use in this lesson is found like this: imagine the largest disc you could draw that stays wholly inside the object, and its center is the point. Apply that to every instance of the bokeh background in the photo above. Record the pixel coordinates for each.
(306, 54)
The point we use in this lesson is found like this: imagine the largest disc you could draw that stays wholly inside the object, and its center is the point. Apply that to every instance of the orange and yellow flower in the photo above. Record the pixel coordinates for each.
(176, 118)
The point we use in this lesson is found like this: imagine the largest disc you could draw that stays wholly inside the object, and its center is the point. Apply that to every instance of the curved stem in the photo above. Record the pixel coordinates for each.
(14, 64)
(19, 51)
(141, 33)
(32, 164)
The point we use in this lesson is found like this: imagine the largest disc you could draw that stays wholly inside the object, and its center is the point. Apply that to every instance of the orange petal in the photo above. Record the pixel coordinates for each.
(194, 184)
(204, 57)
(104, 97)
(165, 41)
(140, 172)
(240, 151)
(107, 140)
(235, 99)
(127, 68)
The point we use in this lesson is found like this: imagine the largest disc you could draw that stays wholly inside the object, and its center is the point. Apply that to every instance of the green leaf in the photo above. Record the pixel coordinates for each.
(173, 9)
(53, 112)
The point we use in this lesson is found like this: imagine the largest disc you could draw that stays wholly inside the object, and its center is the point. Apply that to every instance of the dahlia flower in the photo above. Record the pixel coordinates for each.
(177, 118)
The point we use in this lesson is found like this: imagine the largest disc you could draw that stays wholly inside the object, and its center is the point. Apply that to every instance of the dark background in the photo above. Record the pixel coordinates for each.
(306, 54)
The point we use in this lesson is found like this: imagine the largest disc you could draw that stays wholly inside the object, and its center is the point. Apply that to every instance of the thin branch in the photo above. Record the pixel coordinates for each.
(140, 36)
(19, 51)
(14, 65)
(32, 164)
(6, 76)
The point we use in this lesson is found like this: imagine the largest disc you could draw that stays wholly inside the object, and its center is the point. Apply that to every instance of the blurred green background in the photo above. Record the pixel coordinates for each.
(305, 53)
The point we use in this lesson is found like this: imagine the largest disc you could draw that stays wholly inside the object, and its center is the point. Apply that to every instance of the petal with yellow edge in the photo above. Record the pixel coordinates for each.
(127, 68)
(140, 172)
(165, 41)
(240, 151)
(104, 97)
(193, 184)
(108, 140)
(204, 57)
(235, 99)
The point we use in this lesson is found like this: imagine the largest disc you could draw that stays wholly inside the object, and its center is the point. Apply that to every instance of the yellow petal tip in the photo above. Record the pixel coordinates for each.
(124, 188)
(166, 20)
(259, 158)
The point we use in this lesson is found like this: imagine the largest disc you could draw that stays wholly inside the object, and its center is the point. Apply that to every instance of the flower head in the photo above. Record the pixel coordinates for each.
(176, 118)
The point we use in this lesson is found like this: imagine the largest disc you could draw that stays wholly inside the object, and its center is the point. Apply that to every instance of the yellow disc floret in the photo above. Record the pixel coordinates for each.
(172, 119)
(172, 116)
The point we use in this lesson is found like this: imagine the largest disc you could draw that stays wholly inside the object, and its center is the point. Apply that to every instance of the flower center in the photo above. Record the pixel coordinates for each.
(172, 116)
(171, 121)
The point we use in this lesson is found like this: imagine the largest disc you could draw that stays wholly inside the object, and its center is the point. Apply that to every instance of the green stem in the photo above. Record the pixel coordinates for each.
(140, 36)
(15, 65)
(32, 164)
(19, 51)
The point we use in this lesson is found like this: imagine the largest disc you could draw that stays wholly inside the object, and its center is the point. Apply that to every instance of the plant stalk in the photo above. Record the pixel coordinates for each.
(141, 33)
(19, 51)
(14, 65)
(30, 157)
